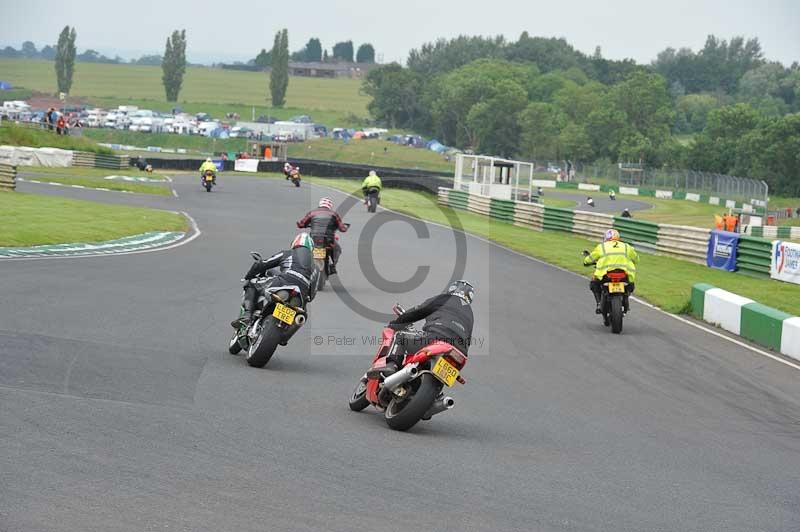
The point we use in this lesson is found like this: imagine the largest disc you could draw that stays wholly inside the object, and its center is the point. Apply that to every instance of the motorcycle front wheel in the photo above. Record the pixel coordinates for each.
(358, 399)
(234, 347)
(404, 414)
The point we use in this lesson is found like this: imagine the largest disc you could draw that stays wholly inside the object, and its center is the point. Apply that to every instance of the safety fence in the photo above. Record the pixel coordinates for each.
(8, 177)
(773, 231)
(754, 254)
(100, 160)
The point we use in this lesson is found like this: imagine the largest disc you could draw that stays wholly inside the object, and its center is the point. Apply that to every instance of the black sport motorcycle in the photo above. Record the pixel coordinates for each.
(280, 310)
(372, 197)
(614, 298)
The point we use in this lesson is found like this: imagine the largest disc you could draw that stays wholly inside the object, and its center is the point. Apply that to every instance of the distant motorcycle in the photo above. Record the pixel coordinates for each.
(414, 391)
(372, 197)
(295, 177)
(208, 179)
(279, 312)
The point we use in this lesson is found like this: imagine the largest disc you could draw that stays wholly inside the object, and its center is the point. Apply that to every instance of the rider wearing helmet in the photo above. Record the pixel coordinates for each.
(448, 318)
(296, 269)
(208, 164)
(611, 254)
(323, 222)
(370, 182)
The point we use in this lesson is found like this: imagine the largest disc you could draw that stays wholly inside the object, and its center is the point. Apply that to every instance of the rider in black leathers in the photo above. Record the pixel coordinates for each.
(448, 317)
(296, 269)
(323, 222)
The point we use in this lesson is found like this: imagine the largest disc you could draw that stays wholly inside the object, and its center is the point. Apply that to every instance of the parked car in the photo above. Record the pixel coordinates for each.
(239, 132)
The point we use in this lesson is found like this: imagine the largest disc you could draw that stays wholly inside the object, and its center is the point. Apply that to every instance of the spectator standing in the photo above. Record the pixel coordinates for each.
(61, 125)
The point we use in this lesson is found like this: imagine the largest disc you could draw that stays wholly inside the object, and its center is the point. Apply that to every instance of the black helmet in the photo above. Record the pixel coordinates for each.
(462, 289)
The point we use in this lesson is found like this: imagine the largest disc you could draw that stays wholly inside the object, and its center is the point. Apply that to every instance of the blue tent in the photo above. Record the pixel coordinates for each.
(5, 86)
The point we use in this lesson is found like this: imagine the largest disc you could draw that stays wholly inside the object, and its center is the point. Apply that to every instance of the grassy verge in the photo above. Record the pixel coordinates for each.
(663, 281)
(164, 140)
(80, 171)
(95, 182)
(372, 152)
(31, 219)
(14, 135)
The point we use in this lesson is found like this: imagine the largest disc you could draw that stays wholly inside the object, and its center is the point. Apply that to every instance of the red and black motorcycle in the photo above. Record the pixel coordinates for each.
(414, 391)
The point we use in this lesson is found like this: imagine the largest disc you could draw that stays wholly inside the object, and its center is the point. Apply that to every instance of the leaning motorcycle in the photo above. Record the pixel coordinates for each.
(323, 258)
(208, 179)
(415, 391)
(372, 198)
(278, 313)
(295, 177)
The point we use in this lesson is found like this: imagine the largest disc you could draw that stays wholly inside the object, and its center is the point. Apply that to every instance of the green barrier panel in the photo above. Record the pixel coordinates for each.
(458, 199)
(784, 231)
(502, 209)
(763, 325)
(703, 198)
(679, 195)
(557, 219)
(698, 299)
(636, 230)
(647, 192)
(757, 231)
(753, 256)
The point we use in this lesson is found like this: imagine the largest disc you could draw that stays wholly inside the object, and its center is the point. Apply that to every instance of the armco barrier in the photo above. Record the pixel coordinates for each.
(763, 325)
(754, 256)
(502, 209)
(529, 215)
(637, 231)
(557, 219)
(479, 204)
(690, 243)
(775, 232)
(100, 160)
(8, 177)
(591, 224)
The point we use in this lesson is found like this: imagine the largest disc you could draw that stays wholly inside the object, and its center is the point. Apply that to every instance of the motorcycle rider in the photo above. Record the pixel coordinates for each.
(323, 223)
(448, 318)
(611, 254)
(612, 195)
(287, 169)
(296, 269)
(371, 181)
(208, 164)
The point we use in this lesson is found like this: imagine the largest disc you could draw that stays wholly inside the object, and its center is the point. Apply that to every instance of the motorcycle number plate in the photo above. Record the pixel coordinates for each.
(319, 253)
(284, 313)
(616, 288)
(209, 178)
(445, 371)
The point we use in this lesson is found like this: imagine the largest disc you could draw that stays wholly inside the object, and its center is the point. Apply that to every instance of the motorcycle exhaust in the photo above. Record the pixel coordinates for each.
(394, 380)
(439, 406)
(300, 319)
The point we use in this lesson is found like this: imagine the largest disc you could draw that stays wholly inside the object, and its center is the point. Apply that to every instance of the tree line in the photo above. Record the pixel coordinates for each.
(28, 50)
(539, 98)
(313, 52)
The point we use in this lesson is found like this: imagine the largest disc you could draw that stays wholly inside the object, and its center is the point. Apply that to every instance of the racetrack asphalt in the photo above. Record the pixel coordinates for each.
(602, 203)
(121, 410)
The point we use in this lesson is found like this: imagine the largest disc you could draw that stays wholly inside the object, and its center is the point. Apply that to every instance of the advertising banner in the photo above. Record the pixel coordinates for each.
(785, 261)
(722, 250)
(246, 165)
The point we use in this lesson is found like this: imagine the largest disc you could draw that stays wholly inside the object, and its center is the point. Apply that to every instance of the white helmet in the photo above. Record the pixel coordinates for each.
(208, 159)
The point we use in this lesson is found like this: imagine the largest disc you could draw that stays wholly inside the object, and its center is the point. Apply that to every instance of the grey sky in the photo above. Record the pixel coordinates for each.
(235, 29)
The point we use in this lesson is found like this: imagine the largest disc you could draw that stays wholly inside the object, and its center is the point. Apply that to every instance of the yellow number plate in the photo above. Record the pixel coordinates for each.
(445, 371)
(616, 288)
(319, 253)
(284, 313)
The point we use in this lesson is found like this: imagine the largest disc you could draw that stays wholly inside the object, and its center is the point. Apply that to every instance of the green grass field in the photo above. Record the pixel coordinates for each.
(14, 135)
(78, 171)
(32, 219)
(98, 182)
(197, 143)
(371, 152)
(216, 91)
(663, 281)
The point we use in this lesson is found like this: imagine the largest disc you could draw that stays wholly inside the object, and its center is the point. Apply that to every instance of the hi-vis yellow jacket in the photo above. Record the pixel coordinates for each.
(613, 255)
(208, 166)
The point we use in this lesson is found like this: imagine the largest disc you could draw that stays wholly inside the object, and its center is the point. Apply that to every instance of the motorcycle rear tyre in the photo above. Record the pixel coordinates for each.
(414, 407)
